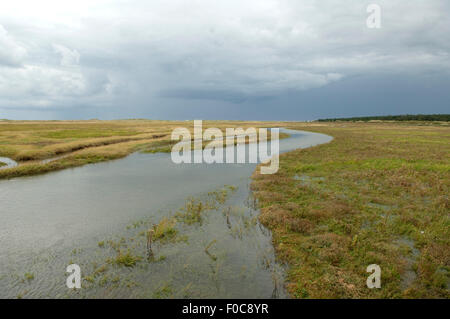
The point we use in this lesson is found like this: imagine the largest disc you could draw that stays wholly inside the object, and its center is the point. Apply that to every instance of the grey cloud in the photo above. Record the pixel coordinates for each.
(12, 53)
(68, 57)
(110, 55)
(198, 94)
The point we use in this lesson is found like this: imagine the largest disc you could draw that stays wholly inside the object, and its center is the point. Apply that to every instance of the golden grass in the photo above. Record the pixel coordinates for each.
(75, 143)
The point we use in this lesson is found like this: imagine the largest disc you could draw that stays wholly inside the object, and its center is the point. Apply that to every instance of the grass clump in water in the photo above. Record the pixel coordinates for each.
(165, 230)
(163, 292)
(221, 195)
(191, 213)
(126, 259)
(29, 276)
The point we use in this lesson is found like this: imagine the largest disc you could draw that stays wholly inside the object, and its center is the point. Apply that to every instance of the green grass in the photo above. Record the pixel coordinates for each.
(126, 259)
(163, 292)
(165, 230)
(29, 276)
(192, 212)
(336, 208)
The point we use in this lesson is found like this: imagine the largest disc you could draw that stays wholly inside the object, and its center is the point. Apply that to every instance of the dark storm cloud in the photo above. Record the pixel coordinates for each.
(205, 94)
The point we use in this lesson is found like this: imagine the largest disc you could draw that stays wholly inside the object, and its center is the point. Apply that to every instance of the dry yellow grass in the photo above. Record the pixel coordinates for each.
(75, 143)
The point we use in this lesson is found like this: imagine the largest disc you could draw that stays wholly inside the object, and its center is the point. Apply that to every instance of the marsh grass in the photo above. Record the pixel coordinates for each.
(221, 195)
(29, 276)
(126, 259)
(163, 146)
(165, 291)
(165, 230)
(76, 143)
(336, 208)
(119, 253)
(193, 210)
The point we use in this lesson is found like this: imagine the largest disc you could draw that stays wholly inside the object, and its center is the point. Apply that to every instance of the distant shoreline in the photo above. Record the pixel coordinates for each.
(405, 117)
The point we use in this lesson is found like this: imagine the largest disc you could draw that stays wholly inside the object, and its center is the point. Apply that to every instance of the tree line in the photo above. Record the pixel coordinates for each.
(405, 117)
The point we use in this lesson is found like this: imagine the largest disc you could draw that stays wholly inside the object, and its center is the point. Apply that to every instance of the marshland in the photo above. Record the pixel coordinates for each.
(43, 146)
(106, 196)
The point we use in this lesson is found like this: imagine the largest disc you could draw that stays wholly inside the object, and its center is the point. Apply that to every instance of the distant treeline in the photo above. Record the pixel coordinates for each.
(406, 117)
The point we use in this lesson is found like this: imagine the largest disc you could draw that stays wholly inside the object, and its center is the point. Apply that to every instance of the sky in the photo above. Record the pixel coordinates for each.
(228, 59)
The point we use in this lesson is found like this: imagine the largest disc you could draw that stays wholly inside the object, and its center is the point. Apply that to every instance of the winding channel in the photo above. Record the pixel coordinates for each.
(50, 221)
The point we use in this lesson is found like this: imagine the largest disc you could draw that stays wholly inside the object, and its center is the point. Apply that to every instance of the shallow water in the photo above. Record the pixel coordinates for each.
(9, 162)
(48, 222)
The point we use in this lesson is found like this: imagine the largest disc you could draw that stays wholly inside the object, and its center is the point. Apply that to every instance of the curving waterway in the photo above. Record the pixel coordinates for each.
(77, 216)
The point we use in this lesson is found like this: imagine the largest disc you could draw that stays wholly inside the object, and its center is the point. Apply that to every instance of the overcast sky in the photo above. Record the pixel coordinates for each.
(228, 59)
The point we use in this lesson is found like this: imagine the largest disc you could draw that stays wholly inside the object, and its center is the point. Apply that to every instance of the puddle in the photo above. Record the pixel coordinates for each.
(410, 275)
(306, 180)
